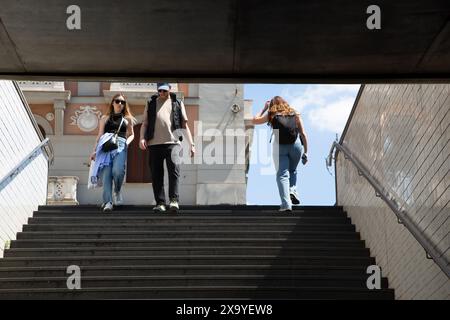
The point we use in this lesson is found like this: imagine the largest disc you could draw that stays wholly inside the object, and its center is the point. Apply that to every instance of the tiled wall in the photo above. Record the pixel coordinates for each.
(28, 189)
(401, 133)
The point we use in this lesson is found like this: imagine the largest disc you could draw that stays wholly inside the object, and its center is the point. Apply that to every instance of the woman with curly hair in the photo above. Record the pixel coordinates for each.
(287, 126)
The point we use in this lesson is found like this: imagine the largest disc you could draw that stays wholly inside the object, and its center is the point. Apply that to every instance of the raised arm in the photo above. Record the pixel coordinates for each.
(260, 119)
(266, 107)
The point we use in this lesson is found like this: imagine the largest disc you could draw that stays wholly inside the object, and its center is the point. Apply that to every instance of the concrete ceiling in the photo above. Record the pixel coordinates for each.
(295, 41)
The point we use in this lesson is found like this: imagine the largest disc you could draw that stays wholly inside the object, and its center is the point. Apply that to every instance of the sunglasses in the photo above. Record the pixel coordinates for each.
(163, 91)
(119, 101)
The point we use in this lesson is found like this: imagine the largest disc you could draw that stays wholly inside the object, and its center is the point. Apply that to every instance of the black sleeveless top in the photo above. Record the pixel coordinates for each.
(113, 122)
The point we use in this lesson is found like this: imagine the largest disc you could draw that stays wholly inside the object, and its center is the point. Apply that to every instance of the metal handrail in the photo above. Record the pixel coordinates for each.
(45, 144)
(25, 162)
(394, 204)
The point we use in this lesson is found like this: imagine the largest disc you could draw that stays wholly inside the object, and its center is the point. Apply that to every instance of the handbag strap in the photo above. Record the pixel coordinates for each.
(120, 126)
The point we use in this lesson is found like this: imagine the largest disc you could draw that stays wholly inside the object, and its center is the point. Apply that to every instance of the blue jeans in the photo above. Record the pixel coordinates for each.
(115, 172)
(286, 158)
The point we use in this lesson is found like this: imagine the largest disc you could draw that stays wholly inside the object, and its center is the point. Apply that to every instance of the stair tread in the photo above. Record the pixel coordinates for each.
(181, 224)
(187, 288)
(251, 251)
(197, 207)
(206, 276)
(204, 256)
(173, 216)
(180, 248)
(315, 240)
(125, 267)
(187, 231)
(145, 210)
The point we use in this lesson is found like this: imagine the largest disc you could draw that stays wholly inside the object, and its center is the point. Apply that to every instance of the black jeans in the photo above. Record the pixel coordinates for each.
(170, 153)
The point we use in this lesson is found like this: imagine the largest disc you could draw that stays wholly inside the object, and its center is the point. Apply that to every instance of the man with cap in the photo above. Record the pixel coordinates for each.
(164, 119)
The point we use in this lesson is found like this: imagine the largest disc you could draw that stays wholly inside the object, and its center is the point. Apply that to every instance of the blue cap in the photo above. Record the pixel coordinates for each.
(164, 86)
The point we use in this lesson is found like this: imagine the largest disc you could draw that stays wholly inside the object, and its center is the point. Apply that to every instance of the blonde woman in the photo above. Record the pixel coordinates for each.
(110, 165)
(287, 126)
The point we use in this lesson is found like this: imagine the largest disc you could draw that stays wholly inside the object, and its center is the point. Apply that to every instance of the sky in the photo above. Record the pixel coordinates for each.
(324, 110)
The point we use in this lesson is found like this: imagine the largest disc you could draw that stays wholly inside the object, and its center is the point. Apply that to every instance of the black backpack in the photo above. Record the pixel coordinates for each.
(285, 127)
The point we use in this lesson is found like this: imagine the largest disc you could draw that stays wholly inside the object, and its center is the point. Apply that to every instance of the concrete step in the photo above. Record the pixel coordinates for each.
(207, 252)
(190, 269)
(201, 293)
(260, 280)
(189, 213)
(100, 218)
(170, 259)
(186, 250)
(199, 208)
(266, 234)
(171, 242)
(187, 227)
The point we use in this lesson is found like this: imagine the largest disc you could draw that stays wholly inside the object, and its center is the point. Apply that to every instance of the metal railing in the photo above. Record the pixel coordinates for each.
(44, 146)
(23, 164)
(398, 209)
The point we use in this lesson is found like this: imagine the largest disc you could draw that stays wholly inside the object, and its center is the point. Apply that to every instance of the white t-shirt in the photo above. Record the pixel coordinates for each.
(163, 123)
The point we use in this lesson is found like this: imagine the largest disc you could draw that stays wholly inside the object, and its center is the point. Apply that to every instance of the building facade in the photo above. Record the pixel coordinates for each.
(68, 114)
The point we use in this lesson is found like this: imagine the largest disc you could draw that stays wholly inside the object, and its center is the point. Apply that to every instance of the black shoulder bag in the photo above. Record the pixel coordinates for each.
(111, 144)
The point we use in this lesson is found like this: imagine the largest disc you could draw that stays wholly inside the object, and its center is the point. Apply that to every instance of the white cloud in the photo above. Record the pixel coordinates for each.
(326, 106)
(331, 117)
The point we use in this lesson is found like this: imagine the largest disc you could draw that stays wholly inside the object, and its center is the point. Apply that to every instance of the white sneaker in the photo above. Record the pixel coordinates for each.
(285, 210)
(108, 207)
(118, 198)
(173, 206)
(160, 208)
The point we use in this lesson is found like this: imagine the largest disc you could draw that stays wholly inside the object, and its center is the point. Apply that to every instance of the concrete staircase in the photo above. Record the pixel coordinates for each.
(208, 252)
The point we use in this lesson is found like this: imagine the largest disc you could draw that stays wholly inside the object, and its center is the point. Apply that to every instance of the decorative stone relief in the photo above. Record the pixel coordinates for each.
(62, 191)
(86, 118)
(50, 116)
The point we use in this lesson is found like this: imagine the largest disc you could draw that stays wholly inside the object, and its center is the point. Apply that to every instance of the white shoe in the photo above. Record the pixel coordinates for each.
(173, 206)
(108, 207)
(159, 208)
(285, 210)
(118, 198)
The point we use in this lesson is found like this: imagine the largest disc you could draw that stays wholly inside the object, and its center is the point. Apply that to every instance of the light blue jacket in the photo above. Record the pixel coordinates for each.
(104, 159)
